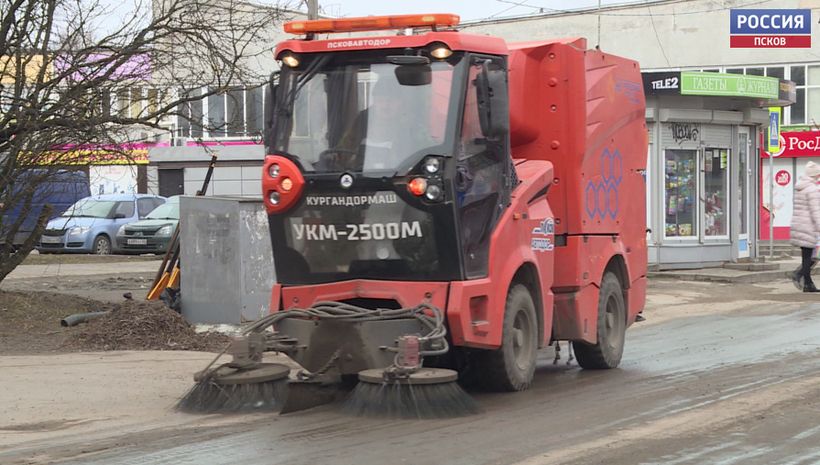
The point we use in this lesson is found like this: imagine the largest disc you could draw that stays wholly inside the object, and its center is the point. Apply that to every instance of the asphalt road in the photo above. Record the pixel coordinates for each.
(739, 387)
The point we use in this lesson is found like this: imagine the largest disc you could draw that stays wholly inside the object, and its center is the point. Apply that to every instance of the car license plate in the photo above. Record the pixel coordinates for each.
(51, 239)
(137, 241)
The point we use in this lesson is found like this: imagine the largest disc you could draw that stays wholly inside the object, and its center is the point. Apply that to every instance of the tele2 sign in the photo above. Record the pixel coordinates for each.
(759, 28)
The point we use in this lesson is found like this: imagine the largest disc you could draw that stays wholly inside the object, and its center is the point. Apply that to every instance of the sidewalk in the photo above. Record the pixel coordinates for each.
(83, 269)
(730, 273)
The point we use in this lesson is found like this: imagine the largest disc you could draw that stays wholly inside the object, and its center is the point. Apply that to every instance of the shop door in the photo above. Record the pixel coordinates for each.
(714, 187)
(743, 215)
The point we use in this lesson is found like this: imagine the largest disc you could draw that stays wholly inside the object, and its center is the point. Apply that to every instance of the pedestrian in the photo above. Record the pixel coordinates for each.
(805, 226)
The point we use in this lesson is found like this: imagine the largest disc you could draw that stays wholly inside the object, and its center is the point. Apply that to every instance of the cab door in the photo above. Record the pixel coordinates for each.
(483, 167)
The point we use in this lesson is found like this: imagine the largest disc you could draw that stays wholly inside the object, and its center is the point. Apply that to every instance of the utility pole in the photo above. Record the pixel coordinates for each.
(313, 9)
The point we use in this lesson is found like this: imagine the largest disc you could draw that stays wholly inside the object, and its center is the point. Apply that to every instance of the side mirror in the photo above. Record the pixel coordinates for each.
(119, 216)
(414, 74)
(493, 104)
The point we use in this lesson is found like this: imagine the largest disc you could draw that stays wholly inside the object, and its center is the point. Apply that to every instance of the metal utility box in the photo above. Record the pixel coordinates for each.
(226, 260)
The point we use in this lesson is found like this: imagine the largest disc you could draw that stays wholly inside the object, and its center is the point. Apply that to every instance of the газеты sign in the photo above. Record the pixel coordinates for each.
(766, 28)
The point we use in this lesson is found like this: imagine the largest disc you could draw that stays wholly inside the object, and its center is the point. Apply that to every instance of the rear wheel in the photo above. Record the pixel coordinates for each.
(611, 325)
(102, 245)
(511, 367)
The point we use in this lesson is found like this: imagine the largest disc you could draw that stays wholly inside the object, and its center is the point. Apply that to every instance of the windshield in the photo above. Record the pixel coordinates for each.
(167, 211)
(339, 115)
(90, 208)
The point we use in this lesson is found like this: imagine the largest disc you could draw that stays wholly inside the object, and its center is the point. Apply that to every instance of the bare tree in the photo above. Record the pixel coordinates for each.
(64, 64)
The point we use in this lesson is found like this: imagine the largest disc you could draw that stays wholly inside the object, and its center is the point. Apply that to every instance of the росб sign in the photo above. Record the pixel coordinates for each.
(795, 145)
(769, 28)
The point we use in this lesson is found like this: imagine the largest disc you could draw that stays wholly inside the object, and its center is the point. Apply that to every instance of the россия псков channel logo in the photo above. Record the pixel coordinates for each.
(767, 28)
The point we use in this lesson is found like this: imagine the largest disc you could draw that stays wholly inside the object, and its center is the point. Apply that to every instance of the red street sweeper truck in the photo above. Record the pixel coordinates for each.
(442, 205)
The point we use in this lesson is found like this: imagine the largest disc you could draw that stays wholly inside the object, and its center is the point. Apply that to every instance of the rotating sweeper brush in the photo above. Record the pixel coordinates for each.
(408, 390)
(244, 384)
(384, 348)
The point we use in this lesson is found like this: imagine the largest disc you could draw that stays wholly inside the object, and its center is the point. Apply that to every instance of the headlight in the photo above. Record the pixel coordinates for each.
(78, 230)
(432, 165)
(121, 231)
(165, 230)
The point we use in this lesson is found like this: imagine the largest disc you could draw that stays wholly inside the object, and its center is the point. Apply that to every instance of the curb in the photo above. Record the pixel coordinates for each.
(751, 277)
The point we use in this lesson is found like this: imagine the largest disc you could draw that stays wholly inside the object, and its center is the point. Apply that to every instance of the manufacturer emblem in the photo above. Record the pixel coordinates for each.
(346, 180)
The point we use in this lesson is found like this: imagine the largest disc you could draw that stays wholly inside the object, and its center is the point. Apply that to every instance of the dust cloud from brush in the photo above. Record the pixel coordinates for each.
(141, 325)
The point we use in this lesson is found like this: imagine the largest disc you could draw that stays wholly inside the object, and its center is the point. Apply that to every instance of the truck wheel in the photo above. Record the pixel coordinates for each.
(511, 367)
(102, 245)
(611, 328)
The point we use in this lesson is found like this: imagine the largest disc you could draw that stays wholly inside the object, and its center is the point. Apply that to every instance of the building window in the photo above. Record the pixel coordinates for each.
(776, 72)
(216, 115)
(254, 101)
(798, 108)
(798, 75)
(189, 116)
(237, 112)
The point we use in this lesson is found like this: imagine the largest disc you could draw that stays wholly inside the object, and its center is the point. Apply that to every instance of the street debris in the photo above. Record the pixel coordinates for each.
(141, 325)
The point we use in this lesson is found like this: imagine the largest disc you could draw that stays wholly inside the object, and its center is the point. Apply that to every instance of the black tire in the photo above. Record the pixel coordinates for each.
(511, 367)
(607, 352)
(102, 245)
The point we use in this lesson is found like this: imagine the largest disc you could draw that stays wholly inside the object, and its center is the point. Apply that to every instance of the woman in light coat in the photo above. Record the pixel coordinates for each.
(805, 226)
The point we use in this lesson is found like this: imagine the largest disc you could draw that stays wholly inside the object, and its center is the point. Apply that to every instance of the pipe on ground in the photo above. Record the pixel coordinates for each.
(77, 318)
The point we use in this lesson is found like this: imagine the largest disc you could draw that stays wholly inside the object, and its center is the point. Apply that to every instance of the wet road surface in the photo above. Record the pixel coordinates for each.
(740, 387)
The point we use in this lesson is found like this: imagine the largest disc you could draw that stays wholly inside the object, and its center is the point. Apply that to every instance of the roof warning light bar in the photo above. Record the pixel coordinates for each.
(371, 23)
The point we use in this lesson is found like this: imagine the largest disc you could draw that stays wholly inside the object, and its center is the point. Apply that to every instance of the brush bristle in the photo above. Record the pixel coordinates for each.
(443, 400)
(209, 397)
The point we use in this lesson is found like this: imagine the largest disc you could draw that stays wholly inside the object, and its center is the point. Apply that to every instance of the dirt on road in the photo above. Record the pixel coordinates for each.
(31, 325)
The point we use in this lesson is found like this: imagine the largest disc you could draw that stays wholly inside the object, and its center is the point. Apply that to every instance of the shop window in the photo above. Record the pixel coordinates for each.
(734, 70)
(798, 75)
(754, 71)
(716, 182)
(777, 72)
(680, 204)
(711, 70)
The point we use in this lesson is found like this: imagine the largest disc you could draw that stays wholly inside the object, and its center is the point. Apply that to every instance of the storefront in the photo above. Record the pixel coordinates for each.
(703, 130)
(788, 165)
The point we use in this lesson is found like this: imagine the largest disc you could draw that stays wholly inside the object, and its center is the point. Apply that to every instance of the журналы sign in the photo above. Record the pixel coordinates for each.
(770, 28)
